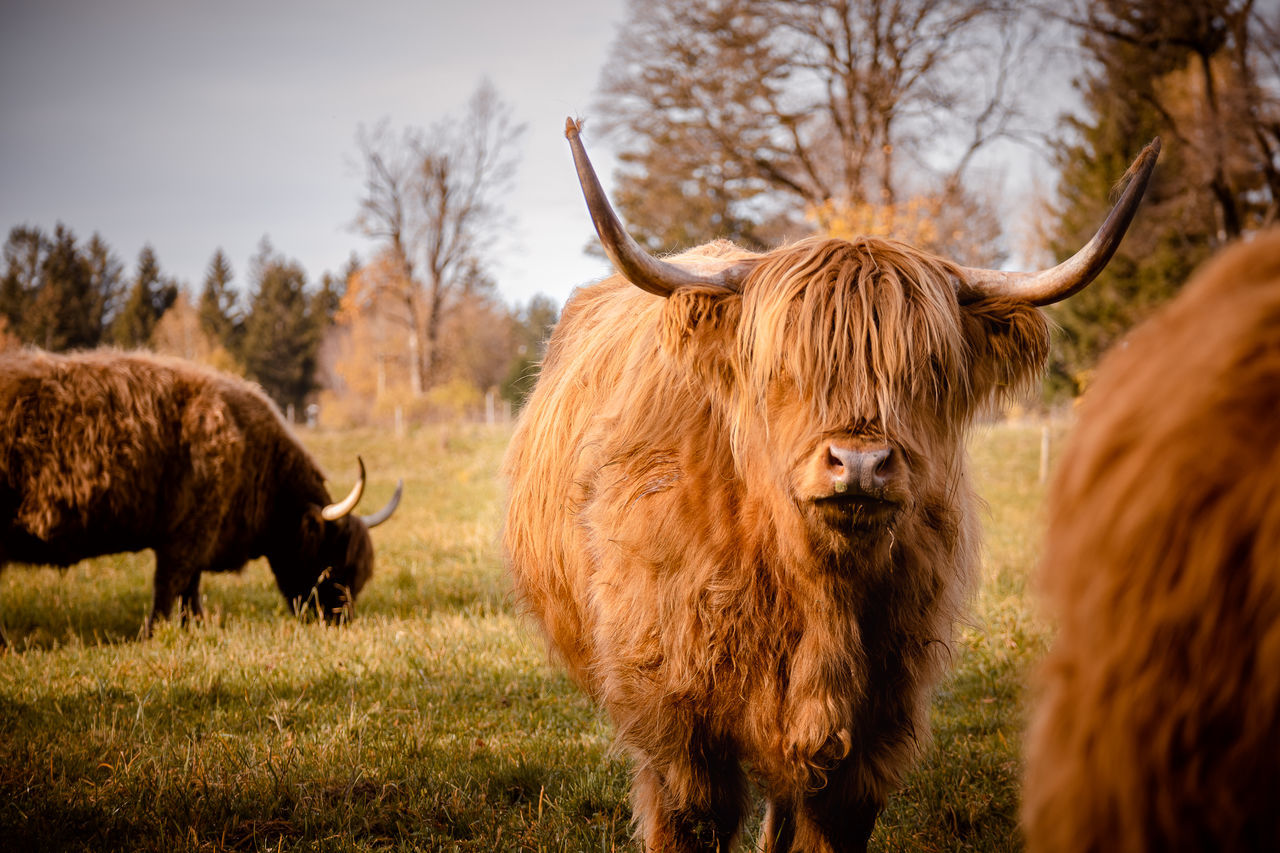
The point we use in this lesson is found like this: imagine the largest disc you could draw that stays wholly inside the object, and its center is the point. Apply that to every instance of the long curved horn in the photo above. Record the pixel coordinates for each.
(1073, 274)
(333, 512)
(372, 521)
(640, 268)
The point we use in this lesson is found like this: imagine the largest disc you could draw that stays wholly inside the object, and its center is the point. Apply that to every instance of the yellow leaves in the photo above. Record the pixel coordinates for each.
(954, 225)
(455, 397)
(917, 221)
(8, 340)
(369, 343)
(372, 289)
(178, 333)
(371, 353)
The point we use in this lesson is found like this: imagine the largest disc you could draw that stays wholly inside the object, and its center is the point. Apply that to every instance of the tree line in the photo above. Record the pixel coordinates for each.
(59, 293)
(756, 121)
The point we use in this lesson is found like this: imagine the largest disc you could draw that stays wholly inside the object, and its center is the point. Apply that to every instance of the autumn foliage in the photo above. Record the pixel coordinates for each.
(367, 355)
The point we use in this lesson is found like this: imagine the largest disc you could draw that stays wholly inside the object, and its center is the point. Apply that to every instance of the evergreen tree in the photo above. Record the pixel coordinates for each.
(106, 279)
(1182, 72)
(325, 302)
(219, 316)
(150, 296)
(24, 258)
(533, 326)
(61, 316)
(55, 294)
(280, 335)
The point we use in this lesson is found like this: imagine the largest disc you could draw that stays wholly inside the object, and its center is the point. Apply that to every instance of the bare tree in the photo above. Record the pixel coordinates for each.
(431, 197)
(772, 106)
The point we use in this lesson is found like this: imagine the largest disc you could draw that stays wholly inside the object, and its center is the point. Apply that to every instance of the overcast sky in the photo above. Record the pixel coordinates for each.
(198, 125)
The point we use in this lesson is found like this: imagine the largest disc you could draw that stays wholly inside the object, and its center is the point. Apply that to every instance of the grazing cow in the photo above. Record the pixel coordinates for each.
(103, 452)
(1157, 723)
(740, 511)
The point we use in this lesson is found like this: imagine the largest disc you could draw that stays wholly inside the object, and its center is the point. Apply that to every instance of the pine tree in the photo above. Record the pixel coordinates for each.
(150, 296)
(24, 259)
(106, 277)
(325, 302)
(61, 315)
(219, 317)
(280, 335)
(533, 326)
(1158, 70)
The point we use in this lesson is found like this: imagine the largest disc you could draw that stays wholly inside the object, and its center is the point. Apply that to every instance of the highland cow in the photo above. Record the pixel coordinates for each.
(1157, 723)
(103, 452)
(740, 511)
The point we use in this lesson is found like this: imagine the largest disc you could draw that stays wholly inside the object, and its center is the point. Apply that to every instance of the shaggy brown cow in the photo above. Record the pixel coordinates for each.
(741, 512)
(102, 452)
(1158, 722)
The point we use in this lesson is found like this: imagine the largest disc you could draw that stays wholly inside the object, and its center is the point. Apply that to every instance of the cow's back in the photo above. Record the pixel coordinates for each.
(105, 452)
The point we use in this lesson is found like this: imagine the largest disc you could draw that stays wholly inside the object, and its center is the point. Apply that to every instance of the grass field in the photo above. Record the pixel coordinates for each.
(434, 721)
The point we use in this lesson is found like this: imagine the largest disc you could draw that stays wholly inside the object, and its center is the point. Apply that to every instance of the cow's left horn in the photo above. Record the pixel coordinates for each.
(333, 512)
(641, 269)
(1073, 274)
(372, 521)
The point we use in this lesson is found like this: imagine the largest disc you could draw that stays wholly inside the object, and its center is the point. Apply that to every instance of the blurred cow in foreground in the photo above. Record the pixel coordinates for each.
(103, 452)
(739, 508)
(1158, 721)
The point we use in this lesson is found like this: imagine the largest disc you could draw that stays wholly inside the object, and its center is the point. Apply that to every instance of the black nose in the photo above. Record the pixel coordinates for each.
(860, 471)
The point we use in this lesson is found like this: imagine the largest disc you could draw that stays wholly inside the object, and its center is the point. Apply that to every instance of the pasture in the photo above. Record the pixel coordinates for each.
(434, 721)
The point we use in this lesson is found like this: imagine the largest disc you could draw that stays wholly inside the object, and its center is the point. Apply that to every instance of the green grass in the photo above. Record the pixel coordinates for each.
(434, 721)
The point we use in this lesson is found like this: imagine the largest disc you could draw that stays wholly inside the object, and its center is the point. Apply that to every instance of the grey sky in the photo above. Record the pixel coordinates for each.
(198, 125)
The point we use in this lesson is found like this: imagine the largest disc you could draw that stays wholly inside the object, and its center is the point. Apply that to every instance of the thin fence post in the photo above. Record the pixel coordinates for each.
(1044, 453)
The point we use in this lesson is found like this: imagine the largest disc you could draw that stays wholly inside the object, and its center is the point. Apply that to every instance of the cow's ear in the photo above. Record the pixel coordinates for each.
(700, 322)
(312, 524)
(1008, 342)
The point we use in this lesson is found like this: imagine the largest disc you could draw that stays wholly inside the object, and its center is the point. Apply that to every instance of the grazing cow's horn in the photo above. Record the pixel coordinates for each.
(333, 512)
(641, 269)
(1070, 276)
(383, 514)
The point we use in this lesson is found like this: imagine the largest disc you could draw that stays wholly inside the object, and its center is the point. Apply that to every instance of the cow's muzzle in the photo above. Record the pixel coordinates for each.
(859, 486)
(862, 473)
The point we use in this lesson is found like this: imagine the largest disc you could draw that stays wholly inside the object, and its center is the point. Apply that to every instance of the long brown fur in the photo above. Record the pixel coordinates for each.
(661, 526)
(103, 452)
(1158, 718)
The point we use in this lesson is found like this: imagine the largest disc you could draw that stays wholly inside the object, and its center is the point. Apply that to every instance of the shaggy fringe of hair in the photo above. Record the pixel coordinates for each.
(860, 328)
(1155, 726)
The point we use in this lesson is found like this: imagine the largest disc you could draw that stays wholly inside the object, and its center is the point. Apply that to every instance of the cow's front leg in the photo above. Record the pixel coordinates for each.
(189, 599)
(823, 823)
(689, 811)
(173, 578)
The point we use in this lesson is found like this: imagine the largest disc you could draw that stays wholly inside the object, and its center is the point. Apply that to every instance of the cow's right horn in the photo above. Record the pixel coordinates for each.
(372, 521)
(641, 269)
(1070, 276)
(333, 512)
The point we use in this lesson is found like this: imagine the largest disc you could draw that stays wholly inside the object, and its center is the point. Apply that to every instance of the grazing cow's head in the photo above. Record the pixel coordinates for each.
(331, 559)
(846, 370)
